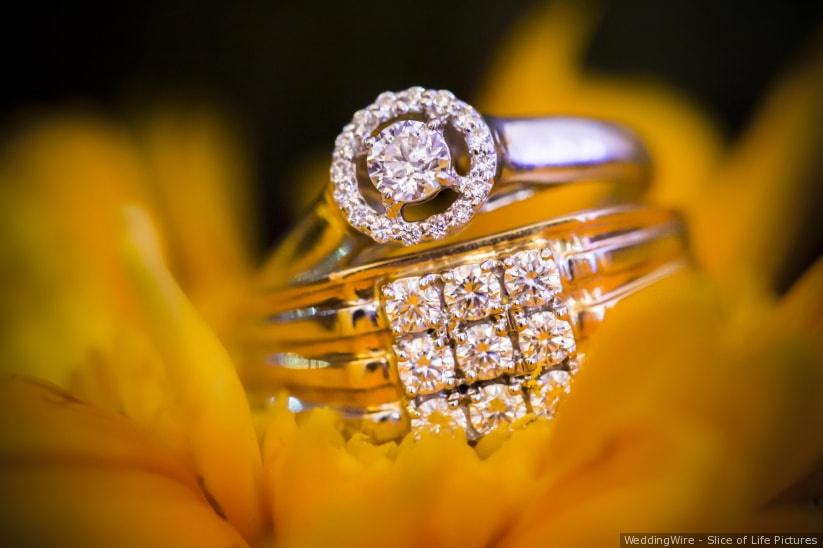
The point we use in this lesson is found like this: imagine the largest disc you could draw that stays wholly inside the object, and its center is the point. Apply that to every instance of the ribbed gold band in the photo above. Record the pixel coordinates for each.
(330, 341)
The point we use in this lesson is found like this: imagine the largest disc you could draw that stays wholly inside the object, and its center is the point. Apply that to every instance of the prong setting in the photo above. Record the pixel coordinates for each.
(405, 178)
(482, 346)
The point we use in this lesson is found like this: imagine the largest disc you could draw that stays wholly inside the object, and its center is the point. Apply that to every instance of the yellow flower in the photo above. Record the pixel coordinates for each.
(125, 251)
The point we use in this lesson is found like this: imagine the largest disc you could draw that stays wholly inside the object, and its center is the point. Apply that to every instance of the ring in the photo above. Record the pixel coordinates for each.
(465, 337)
(418, 165)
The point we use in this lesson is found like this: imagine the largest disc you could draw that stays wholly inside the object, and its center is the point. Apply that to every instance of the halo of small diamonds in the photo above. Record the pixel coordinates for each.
(390, 114)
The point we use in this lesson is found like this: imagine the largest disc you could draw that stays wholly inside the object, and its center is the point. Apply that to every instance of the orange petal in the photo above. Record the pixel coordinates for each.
(210, 400)
(74, 475)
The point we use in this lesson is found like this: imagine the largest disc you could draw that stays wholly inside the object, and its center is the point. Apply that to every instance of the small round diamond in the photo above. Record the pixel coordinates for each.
(406, 160)
(550, 388)
(531, 279)
(436, 415)
(345, 145)
(471, 292)
(483, 354)
(545, 339)
(407, 233)
(380, 229)
(436, 226)
(424, 363)
(496, 405)
(460, 212)
(412, 306)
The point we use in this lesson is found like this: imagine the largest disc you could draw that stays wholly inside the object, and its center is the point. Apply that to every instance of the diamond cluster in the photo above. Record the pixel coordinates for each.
(481, 345)
(408, 160)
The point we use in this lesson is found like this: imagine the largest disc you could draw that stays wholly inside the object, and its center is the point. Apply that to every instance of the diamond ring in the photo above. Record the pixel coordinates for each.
(418, 165)
(467, 337)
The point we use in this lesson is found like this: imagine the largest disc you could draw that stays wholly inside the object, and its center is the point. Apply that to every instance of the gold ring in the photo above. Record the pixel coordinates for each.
(465, 337)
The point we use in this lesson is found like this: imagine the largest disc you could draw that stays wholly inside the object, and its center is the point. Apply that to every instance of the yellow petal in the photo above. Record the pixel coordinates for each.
(64, 180)
(540, 71)
(327, 491)
(746, 223)
(802, 307)
(62, 183)
(785, 358)
(199, 177)
(73, 475)
(629, 445)
(70, 505)
(680, 420)
(210, 399)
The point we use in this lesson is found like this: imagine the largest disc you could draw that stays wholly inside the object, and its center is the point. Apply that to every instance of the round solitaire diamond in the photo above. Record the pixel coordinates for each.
(531, 278)
(472, 292)
(412, 305)
(545, 339)
(496, 405)
(436, 415)
(483, 354)
(425, 364)
(547, 393)
(406, 161)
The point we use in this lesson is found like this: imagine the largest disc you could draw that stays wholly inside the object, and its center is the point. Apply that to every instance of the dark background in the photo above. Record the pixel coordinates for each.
(293, 73)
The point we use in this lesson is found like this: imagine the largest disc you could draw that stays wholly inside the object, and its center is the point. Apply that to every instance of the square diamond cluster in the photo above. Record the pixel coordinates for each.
(481, 345)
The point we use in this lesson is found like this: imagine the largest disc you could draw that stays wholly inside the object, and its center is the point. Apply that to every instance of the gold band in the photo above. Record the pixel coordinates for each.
(329, 340)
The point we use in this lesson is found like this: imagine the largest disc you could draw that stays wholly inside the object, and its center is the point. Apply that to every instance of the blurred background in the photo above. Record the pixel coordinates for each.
(291, 74)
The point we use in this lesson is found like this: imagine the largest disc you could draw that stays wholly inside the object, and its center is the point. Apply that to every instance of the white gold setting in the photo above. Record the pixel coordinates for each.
(401, 135)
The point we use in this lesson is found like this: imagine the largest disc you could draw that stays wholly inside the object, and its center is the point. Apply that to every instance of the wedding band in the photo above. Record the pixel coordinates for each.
(418, 165)
(466, 337)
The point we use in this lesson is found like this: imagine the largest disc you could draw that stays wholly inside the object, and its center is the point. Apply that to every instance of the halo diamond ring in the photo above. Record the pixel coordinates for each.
(411, 146)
